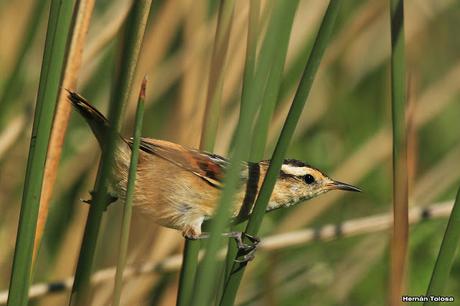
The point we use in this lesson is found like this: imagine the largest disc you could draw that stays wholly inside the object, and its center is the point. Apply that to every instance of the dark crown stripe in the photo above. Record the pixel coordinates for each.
(295, 163)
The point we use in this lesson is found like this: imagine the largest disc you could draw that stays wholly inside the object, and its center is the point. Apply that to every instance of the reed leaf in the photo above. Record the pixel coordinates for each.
(208, 136)
(295, 111)
(127, 209)
(272, 89)
(53, 64)
(446, 254)
(248, 76)
(188, 271)
(207, 273)
(216, 75)
(269, 98)
(130, 49)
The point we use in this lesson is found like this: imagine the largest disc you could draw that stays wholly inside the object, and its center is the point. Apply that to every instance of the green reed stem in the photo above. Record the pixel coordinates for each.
(131, 43)
(127, 209)
(295, 111)
(269, 98)
(446, 254)
(272, 89)
(248, 76)
(400, 180)
(208, 136)
(188, 271)
(216, 75)
(53, 64)
(207, 276)
(251, 51)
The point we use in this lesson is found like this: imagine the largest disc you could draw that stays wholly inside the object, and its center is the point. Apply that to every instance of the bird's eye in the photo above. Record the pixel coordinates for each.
(309, 179)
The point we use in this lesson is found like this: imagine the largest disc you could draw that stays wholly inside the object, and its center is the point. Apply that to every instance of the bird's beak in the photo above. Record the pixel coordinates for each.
(342, 186)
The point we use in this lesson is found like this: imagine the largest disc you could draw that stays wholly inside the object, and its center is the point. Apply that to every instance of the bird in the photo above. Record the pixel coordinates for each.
(179, 188)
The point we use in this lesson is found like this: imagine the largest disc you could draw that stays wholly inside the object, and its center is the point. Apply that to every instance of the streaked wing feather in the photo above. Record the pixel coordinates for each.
(210, 167)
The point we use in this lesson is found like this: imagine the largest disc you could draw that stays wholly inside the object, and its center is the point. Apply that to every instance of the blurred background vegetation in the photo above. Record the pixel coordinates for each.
(345, 130)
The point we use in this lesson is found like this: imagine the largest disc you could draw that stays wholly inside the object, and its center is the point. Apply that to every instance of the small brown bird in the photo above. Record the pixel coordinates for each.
(179, 187)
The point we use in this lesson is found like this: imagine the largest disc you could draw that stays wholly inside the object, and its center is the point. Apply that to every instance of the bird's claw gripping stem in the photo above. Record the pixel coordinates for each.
(245, 251)
(111, 198)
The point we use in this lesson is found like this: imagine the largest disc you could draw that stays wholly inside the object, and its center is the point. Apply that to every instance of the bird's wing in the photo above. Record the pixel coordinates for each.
(209, 167)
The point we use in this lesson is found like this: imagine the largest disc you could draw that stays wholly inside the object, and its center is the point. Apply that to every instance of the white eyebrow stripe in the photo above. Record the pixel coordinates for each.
(295, 171)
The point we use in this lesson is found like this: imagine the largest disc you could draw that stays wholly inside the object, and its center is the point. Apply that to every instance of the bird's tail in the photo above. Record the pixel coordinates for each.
(98, 123)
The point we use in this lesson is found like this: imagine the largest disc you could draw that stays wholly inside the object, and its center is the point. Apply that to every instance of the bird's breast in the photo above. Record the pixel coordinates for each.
(170, 195)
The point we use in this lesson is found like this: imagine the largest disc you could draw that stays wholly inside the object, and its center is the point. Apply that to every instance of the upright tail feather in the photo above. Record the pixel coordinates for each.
(98, 123)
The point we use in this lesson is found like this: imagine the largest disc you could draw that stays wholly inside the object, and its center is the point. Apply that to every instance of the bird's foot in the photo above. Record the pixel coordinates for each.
(111, 198)
(245, 250)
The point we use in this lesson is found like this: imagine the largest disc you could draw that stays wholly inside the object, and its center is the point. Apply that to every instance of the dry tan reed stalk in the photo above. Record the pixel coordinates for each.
(61, 118)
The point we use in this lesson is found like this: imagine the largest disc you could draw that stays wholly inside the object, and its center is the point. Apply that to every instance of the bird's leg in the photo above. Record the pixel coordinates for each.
(112, 197)
(246, 249)
(239, 237)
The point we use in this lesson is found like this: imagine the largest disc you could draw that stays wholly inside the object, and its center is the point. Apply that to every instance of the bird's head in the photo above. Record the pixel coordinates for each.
(299, 182)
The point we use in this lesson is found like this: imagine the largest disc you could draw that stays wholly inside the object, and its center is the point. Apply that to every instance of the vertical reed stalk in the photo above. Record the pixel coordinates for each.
(207, 273)
(446, 254)
(248, 75)
(400, 180)
(216, 75)
(269, 98)
(82, 16)
(54, 59)
(208, 136)
(127, 209)
(295, 111)
(130, 48)
(188, 271)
